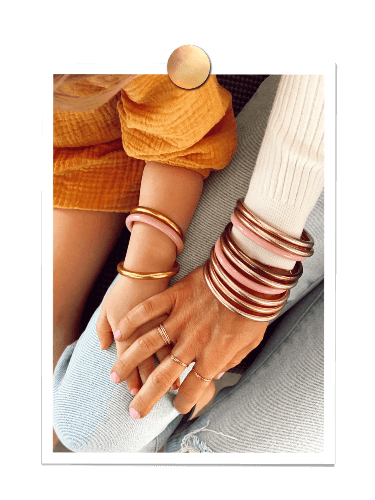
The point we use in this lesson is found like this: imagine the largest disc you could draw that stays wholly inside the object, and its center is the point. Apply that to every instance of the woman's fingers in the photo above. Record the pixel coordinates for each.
(104, 330)
(154, 307)
(144, 347)
(133, 382)
(192, 388)
(158, 384)
(162, 354)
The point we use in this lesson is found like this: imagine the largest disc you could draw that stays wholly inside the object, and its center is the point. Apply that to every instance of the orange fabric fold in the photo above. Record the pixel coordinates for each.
(99, 155)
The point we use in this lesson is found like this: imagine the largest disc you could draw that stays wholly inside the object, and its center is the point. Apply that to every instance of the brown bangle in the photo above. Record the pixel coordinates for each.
(268, 271)
(229, 294)
(163, 218)
(265, 235)
(227, 303)
(306, 241)
(250, 266)
(252, 271)
(246, 293)
(147, 276)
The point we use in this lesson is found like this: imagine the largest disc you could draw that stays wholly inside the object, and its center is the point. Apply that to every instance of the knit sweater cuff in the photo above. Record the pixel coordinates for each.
(289, 173)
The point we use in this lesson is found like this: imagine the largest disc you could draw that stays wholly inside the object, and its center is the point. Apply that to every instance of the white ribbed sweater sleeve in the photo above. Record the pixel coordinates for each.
(289, 172)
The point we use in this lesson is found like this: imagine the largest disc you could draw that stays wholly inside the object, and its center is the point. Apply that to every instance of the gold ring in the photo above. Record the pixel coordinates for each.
(178, 361)
(147, 276)
(164, 334)
(205, 379)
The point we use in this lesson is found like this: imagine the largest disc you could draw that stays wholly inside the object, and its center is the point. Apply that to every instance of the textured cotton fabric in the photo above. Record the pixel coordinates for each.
(99, 155)
(91, 414)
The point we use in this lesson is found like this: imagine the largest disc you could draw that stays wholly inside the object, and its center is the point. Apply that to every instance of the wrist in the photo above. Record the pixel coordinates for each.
(149, 250)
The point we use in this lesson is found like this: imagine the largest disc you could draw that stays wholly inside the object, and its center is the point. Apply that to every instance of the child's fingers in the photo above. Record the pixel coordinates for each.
(104, 330)
(133, 382)
(163, 353)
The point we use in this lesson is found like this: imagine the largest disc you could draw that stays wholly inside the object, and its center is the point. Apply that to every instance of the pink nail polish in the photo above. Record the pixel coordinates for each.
(220, 375)
(101, 345)
(134, 391)
(117, 335)
(134, 414)
(115, 378)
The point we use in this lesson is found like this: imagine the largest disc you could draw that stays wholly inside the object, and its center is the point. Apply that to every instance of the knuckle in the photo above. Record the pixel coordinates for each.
(160, 379)
(145, 344)
(147, 307)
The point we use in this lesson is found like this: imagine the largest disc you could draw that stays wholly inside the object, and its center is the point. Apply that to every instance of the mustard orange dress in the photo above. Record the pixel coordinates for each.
(99, 156)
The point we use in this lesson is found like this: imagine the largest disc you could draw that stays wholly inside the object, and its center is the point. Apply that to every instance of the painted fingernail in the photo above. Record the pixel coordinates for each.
(134, 414)
(220, 375)
(101, 345)
(117, 335)
(115, 378)
(134, 391)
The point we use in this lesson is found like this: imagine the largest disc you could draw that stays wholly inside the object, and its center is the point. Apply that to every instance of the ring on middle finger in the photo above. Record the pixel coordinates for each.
(178, 361)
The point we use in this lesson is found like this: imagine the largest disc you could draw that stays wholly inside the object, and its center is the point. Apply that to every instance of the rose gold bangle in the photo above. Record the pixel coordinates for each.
(153, 221)
(233, 258)
(281, 275)
(262, 239)
(226, 303)
(229, 294)
(161, 217)
(238, 276)
(245, 292)
(306, 241)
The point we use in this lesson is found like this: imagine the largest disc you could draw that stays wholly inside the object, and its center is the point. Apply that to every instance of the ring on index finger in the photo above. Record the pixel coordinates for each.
(164, 334)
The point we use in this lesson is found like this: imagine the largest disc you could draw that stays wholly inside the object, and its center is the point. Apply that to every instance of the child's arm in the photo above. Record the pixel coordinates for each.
(175, 192)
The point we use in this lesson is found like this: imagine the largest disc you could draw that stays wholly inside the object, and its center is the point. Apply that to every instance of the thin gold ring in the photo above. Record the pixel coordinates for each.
(205, 379)
(147, 276)
(178, 361)
(161, 217)
(164, 334)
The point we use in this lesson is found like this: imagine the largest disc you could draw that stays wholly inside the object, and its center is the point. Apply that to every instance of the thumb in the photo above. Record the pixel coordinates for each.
(104, 330)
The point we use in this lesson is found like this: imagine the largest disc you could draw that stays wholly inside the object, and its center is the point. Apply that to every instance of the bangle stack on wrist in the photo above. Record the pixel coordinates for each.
(246, 286)
(164, 224)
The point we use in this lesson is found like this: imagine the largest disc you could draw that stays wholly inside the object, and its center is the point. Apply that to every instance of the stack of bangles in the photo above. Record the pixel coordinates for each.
(244, 285)
(164, 224)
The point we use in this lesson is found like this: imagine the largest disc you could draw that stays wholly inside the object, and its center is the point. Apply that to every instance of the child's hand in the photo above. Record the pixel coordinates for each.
(124, 296)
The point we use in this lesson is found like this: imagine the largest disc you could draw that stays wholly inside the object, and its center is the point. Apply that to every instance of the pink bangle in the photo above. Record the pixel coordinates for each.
(263, 243)
(240, 277)
(147, 219)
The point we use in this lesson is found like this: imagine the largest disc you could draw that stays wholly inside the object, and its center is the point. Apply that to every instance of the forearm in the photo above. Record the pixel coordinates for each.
(173, 191)
(289, 172)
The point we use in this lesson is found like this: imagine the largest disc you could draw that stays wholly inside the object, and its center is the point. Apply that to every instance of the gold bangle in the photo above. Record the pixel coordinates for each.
(280, 275)
(226, 302)
(161, 217)
(226, 290)
(306, 241)
(147, 276)
(274, 240)
(250, 268)
(258, 301)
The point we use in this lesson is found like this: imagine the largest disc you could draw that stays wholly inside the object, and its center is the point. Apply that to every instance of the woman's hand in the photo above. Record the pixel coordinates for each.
(126, 294)
(201, 329)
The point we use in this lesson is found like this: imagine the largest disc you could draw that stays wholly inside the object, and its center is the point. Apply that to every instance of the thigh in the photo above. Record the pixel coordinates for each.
(82, 241)
(91, 414)
(277, 406)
